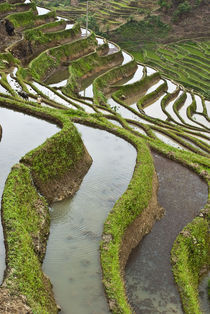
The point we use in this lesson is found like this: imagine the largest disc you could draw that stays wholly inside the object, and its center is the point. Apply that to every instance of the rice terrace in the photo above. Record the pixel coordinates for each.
(104, 156)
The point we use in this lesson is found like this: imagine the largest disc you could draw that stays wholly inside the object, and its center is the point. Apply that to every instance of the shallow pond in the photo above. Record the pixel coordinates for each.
(21, 133)
(72, 258)
(150, 284)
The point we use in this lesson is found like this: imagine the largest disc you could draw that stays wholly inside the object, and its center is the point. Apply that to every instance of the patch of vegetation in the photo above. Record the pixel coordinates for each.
(127, 208)
(135, 32)
(89, 65)
(51, 160)
(29, 19)
(7, 60)
(103, 82)
(26, 224)
(50, 59)
(189, 255)
(37, 36)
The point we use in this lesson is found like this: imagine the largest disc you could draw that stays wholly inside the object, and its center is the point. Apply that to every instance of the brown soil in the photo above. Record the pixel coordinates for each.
(13, 304)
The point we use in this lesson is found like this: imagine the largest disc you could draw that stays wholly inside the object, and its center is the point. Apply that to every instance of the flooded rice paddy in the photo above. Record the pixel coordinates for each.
(72, 258)
(149, 280)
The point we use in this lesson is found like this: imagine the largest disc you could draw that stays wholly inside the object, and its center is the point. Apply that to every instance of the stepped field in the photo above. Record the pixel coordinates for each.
(54, 69)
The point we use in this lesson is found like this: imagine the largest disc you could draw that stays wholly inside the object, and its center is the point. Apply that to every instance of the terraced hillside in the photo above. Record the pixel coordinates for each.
(139, 26)
(107, 15)
(186, 62)
(55, 70)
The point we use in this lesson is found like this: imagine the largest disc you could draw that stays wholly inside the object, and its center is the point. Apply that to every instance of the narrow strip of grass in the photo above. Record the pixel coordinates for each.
(26, 227)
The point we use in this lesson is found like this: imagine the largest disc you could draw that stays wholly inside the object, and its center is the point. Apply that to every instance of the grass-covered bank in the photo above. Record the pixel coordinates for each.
(103, 84)
(38, 39)
(131, 204)
(90, 65)
(26, 222)
(29, 19)
(59, 164)
(191, 259)
(49, 60)
(25, 213)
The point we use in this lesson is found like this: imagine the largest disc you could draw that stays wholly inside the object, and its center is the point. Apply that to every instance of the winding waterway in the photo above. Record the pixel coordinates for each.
(72, 257)
(20, 134)
(149, 280)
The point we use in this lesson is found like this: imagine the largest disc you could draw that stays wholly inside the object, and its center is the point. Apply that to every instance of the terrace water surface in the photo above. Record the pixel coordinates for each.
(72, 258)
(149, 280)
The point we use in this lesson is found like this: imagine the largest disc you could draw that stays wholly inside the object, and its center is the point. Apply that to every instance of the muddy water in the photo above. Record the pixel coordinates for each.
(72, 258)
(149, 280)
(21, 133)
(203, 294)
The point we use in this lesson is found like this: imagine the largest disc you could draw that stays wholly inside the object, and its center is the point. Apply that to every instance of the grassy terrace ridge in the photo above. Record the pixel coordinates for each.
(17, 7)
(190, 256)
(51, 59)
(29, 18)
(39, 39)
(64, 156)
(105, 82)
(89, 65)
(26, 223)
(28, 228)
(37, 36)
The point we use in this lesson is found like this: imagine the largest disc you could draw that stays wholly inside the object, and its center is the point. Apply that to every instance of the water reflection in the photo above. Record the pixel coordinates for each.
(72, 259)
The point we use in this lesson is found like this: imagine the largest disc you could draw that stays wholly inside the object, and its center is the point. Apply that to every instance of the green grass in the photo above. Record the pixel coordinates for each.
(51, 160)
(88, 65)
(52, 58)
(38, 37)
(26, 224)
(28, 19)
(189, 254)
